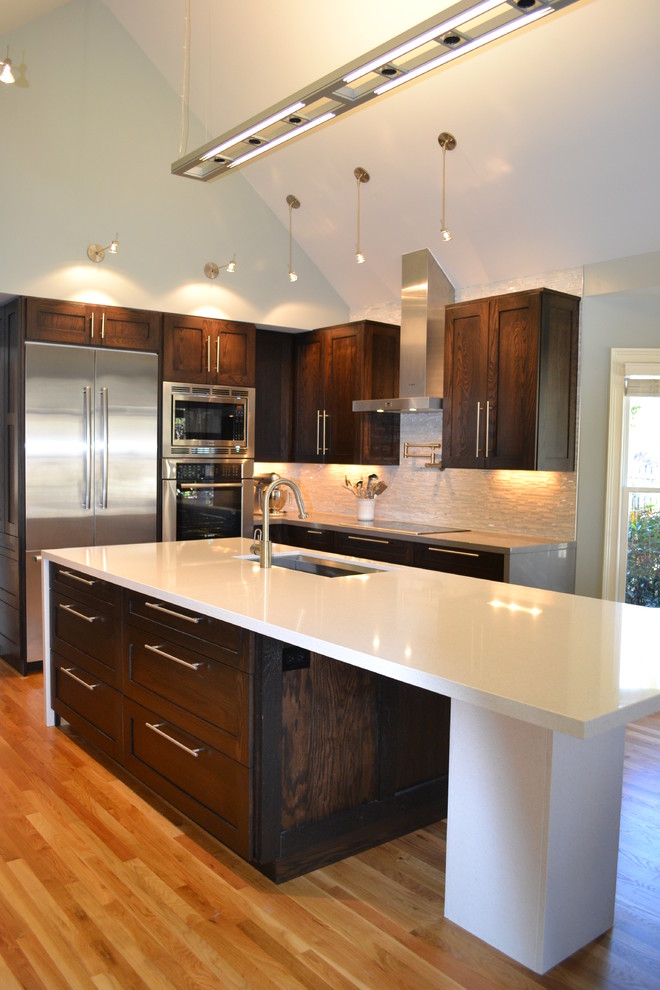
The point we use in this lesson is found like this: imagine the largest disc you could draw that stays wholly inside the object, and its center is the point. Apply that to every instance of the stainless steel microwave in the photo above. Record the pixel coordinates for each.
(208, 420)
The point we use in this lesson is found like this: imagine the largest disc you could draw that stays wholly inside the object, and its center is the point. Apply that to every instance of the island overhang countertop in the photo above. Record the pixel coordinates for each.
(571, 664)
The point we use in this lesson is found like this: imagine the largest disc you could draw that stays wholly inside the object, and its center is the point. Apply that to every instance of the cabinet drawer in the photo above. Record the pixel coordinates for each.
(211, 788)
(100, 594)
(85, 634)
(206, 697)
(305, 536)
(198, 633)
(375, 548)
(472, 563)
(92, 707)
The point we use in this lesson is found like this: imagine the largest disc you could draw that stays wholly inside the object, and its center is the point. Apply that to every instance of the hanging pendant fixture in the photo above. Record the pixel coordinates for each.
(447, 142)
(362, 176)
(294, 204)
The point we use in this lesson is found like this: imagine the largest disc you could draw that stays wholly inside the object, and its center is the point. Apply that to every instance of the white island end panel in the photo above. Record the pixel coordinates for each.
(532, 834)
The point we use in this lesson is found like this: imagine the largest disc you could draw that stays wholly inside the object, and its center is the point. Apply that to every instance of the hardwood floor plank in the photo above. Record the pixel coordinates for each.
(105, 887)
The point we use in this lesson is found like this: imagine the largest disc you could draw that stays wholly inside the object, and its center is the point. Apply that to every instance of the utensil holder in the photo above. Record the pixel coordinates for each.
(365, 509)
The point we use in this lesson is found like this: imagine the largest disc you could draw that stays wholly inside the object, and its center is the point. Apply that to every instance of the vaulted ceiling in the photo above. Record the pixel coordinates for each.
(557, 129)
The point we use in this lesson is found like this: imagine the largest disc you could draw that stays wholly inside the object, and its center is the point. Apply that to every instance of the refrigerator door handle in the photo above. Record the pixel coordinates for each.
(87, 422)
(104, 428)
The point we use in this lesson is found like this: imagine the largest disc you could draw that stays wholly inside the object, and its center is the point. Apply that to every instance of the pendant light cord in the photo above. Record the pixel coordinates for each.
(185, 83)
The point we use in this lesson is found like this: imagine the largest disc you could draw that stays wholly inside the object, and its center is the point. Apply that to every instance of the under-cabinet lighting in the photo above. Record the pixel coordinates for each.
(463, 28)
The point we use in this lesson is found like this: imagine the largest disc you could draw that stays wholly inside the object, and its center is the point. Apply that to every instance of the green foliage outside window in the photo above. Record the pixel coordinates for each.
(643, 559)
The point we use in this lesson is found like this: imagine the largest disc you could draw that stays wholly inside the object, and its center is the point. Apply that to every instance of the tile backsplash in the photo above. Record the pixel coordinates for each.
(530, 503)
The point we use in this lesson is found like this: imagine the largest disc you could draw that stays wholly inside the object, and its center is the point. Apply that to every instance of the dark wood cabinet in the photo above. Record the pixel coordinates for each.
(208, 351)
(60, 322)
(85, 615)
(346, 759)
(12, 594)
(292, 760)
(510, 389)
(273, 440)
(376, 547)
(333, 367)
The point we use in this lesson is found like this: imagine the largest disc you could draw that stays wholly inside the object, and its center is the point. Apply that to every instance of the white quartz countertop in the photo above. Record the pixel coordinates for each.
(572, 664)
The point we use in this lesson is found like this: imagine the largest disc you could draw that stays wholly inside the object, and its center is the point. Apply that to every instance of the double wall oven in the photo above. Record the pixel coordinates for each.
(208, 461)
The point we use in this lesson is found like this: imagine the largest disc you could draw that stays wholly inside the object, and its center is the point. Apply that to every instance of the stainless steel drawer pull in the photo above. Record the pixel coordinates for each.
(455, 553)
(79, 615)
(315, 532)
(369, 539)
(76, 577)
(170, 656)
(74, 677)
(175, 742)
(170, 611)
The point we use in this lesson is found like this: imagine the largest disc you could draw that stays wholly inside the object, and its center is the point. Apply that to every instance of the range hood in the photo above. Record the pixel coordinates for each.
(425, 292)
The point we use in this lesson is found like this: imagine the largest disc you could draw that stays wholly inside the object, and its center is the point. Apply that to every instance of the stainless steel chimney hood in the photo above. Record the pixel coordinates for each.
(425, 292)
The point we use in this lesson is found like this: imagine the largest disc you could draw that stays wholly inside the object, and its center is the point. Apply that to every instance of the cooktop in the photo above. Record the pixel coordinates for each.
(416, 529)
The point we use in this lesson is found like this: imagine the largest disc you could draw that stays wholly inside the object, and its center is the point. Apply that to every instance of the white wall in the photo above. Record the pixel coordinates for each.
(621, 308)
(86, 153)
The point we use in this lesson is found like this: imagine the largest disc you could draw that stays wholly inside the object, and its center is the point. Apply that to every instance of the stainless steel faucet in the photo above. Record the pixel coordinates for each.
(263, 546)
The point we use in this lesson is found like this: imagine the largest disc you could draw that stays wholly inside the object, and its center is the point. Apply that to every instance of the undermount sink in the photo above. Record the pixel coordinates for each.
(325, 566)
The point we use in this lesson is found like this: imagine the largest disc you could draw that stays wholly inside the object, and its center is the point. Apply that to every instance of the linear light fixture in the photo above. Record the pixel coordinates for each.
(462, 28)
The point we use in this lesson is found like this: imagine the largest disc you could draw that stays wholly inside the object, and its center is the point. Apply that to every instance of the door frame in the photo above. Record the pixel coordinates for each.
(623, 361)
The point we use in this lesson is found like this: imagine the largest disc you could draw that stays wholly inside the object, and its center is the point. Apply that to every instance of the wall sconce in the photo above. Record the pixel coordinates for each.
(6, 75)
(447, 142)
(362, 176)
(294, 204)
(211, 270)
(96, 253)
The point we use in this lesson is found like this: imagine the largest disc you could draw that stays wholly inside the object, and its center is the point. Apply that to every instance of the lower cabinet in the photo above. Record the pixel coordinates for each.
(345, 759)
(292, 760)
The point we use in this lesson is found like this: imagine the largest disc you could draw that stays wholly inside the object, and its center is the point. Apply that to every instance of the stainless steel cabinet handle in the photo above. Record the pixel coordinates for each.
(208, 354)
(87, 424)
(487, 425)
(170, 656)
(325, 446)
(79, 615)
(102, 326)
(74, 677)
(454, 553)
(91, 324)
(369, 539)
(217, 355)
(315, 532)
(175, 742)
(478, 418)
(76, 577)
(170, 611)
(318, 431)
(106, 436)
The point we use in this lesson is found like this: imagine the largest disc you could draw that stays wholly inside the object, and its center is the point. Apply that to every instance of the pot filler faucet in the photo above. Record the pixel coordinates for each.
(263, 546)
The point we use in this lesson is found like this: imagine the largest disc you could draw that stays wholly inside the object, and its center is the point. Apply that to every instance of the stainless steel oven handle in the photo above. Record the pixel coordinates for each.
(214, 484)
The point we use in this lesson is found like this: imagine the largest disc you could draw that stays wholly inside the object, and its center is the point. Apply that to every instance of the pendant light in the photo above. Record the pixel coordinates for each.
(294, 204)
(447, 142)
(6, 75)
(362, 176)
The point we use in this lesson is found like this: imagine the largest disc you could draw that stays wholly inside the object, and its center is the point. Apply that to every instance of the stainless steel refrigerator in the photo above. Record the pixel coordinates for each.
(91, 468)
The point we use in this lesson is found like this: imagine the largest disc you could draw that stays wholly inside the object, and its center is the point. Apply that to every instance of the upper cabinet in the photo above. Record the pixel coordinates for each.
(206, 351)
(60, 322)
(510, 382)
(333, 367)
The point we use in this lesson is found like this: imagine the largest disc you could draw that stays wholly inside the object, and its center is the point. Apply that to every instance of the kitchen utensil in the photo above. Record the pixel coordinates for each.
(379, 488)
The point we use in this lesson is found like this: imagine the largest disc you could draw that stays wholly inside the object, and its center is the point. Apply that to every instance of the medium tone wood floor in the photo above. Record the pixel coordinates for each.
(99, 888)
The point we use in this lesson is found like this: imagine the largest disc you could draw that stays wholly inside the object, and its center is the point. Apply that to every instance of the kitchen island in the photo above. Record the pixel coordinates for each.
(541, 684)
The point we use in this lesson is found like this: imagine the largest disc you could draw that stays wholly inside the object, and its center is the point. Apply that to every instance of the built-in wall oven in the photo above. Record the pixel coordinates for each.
(208, 461)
